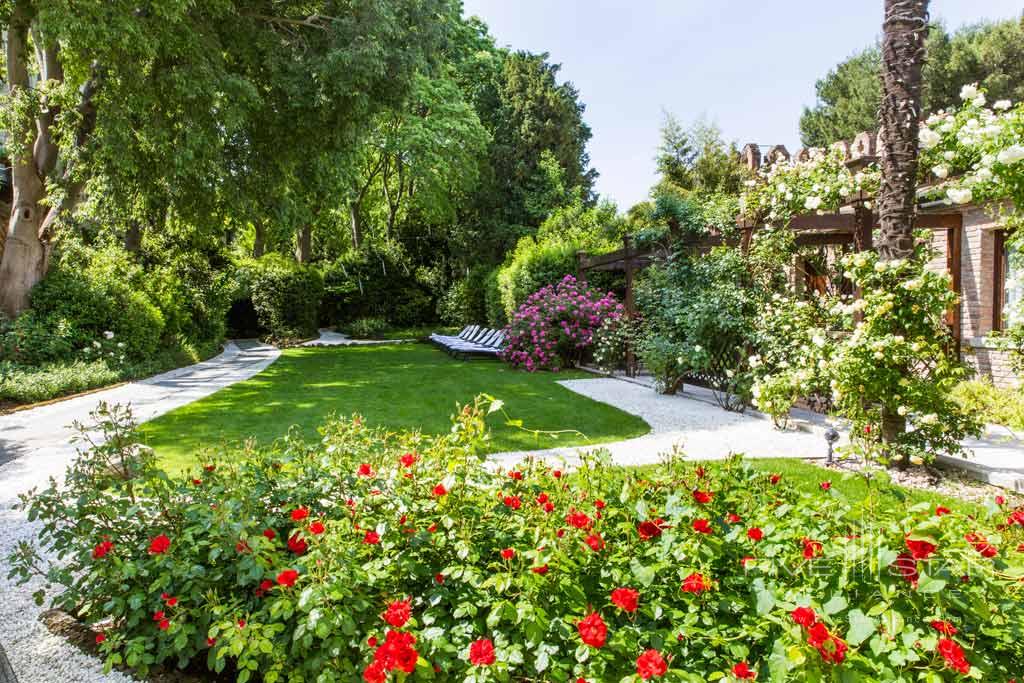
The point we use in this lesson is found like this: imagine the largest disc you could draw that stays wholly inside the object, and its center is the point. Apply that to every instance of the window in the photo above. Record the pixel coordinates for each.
(1008, 279)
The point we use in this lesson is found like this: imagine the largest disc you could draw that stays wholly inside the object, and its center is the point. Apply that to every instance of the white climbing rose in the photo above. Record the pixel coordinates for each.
(960, 195)
(969, 92)
(949, 156)
(1011, 155)
(108, 334)
(1002, 105)
(928, 137)
(941, 171)
(812, 203)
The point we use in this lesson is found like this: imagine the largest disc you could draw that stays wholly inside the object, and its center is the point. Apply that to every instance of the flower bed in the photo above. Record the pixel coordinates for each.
(387, 557)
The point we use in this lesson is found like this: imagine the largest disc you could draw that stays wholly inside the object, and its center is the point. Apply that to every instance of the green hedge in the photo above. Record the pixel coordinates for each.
(285, 294)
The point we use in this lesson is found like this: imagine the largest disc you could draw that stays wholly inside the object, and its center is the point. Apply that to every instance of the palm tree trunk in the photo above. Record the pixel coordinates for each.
(903, 54)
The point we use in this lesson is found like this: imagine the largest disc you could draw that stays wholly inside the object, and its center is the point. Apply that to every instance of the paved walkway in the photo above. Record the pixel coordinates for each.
(35, 445)
(702, 430)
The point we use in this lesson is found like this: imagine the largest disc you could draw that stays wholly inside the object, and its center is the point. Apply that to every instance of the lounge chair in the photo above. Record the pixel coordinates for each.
(489, 347)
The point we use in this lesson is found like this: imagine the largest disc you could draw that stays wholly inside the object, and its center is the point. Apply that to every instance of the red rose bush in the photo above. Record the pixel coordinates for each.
(297, 563)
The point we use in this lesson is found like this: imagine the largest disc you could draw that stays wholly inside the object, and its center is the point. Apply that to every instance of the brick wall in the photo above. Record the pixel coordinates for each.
(977, 291)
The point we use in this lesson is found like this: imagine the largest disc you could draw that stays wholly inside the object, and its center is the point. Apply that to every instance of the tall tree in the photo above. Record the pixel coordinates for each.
(988, 53)
(903, 56)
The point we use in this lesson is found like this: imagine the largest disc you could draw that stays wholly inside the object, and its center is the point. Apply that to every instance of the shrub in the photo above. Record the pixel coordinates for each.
(33, 383)
(998, 405)
(492, 300)
(368, 552)
(377, 284)
(31, 339)
(87, 295)
(367, 328)
(286, 296)
(556, 325)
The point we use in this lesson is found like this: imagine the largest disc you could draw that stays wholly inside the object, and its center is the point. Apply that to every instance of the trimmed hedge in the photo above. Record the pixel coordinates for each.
(285, 294)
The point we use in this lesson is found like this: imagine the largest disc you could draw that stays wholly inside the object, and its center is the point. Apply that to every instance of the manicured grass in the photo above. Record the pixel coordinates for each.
(854, 487)
(407, 386)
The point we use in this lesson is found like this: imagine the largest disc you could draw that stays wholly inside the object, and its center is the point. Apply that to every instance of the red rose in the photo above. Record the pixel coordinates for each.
(825, 485)
(316, 527)
(982, 545)
(831, 648)
(742, 671)
(954, 656)
(702, 526)
(159, 545)
(440, 490)
(375, 673)
(906, 566)
(210, 642)
(508, 554)
(299, 514)
(549, 506)
(372, 641)
(287, 578)
(513, 502)
(542, 498)
(804, 616)
(940, 511)
(626, 599)
(365, 470)
(481, 652)
(650, 529)
(439, 578)
(169, 600)
(371, 538)
(811, 548)
(703, 497)
(920, 550)
(599, 504)
(733, 518)
(100, 637)
(944, 627)
(651, 665)
(557, 474)
(242, 547)
(592, 630)
(264, 587)
(397, 652)
(407, 460)
(1000, 500)
(241, 623)
(197, 482)
(398, 612)
(296, 544)
(542, 569)
(158, 615)
(163, 624)
(755, 534)
(747, 559)
(595, 542)
(701, 472)
(101, 550)
(695, 583)
(209, 468)
(514, 474)
(432, 528)
(580, 520)
(775, 478)
(269, 534)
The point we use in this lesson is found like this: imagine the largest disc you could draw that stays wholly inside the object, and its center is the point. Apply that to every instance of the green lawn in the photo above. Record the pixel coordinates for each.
(405, 386)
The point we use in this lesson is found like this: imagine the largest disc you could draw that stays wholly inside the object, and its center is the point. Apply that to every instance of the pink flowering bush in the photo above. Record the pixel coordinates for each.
(557, 324)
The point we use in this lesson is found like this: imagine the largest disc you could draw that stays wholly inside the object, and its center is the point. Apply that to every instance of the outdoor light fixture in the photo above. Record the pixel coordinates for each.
(831, 436)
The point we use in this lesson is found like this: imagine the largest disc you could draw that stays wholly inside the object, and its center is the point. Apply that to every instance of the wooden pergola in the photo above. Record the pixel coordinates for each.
(851, 227)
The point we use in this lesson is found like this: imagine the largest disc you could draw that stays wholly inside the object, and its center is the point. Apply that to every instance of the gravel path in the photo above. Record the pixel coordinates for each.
(702, 430)
(35, 445)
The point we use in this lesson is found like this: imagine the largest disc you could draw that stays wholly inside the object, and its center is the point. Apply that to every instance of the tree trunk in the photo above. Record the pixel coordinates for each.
(259, 243)
(133, 238)
(304, 249)
(903, 54)
(357, 225)
(25, 256)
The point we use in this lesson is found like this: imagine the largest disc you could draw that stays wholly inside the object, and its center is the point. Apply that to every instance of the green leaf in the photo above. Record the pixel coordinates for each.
(835, 605)
(927, 584)
(861, 626)
(765, 602)
(643, 574)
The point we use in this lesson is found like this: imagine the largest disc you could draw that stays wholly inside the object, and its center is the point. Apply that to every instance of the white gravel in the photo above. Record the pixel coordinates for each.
(702, 430)
(34, 446)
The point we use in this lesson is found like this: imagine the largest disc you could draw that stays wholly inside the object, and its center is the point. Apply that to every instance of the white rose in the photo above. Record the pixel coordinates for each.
(979, 101)
(969, 92)
(1011, 155)
(818, 340)
(1002, 105)
(108, 334)
(902, 410)
(928, 138)
(983, 175)
(960, 195)
(812, 203)
(949, 156)
(940, 171)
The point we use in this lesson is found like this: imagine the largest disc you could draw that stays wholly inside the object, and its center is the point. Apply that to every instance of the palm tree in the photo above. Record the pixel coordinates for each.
(903, 53)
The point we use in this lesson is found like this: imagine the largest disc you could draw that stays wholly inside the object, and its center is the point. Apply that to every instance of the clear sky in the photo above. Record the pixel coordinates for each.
(748, 65)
